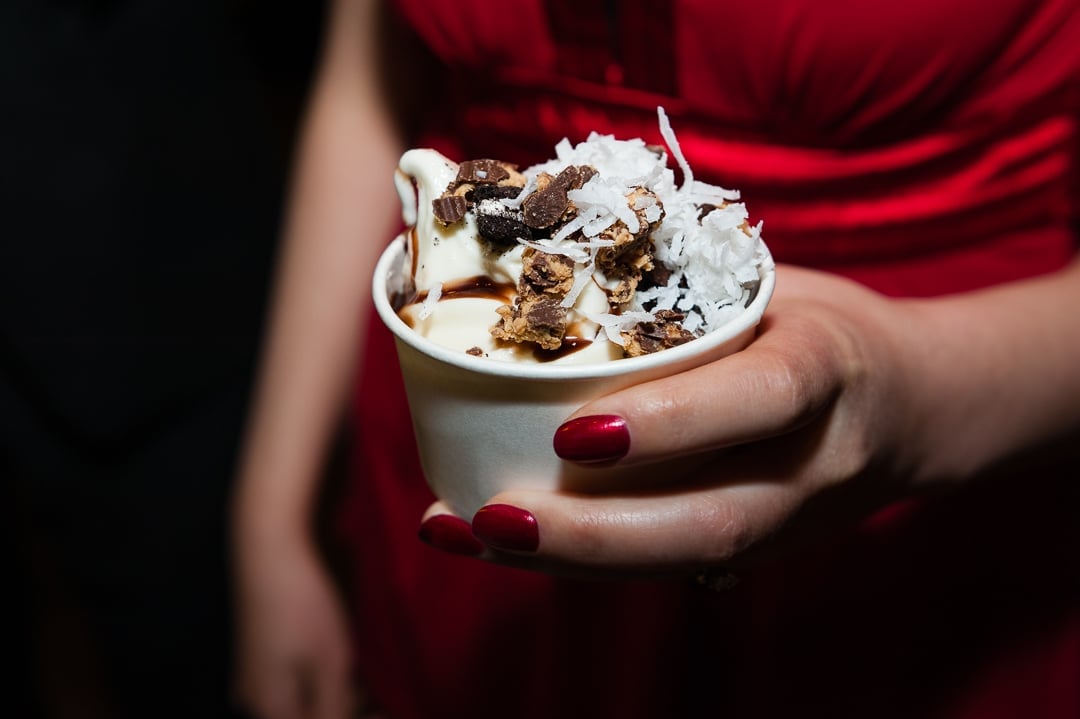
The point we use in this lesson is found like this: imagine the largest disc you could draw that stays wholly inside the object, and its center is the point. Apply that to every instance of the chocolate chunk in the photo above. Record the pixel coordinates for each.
(537, 315)
(640, 343)
(546, 315)
(482, 171)
(475, 352)
(669, 316)
(546, 206)
(658, 276)
(544, 209)
(449, 209)
(540, 320)
(664, 332)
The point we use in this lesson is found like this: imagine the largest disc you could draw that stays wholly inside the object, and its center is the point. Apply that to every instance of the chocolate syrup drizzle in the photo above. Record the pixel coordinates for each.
(484, 287)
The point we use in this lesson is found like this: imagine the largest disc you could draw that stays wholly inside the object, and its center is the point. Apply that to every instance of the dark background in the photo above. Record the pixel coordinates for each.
(144, 147)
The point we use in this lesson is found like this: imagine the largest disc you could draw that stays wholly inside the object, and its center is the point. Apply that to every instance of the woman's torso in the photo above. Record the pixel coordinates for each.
(863, 134)
(920, 148)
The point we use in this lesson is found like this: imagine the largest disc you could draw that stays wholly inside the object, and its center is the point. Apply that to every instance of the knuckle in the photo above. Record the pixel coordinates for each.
(856, 458)
(795, 379)
(726, 525)
(590, 530)
(811, 367)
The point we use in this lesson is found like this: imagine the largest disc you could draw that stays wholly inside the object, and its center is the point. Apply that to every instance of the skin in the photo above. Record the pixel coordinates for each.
(857, 400)
(293, 656)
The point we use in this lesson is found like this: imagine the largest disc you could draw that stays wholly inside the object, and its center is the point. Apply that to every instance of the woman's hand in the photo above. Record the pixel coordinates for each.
(845, 402)
(292, 653)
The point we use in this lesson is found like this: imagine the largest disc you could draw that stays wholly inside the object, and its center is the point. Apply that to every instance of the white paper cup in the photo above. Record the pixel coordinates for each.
(484, 425)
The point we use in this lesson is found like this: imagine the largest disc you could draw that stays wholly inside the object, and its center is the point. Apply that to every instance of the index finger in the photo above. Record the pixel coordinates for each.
(786, 377)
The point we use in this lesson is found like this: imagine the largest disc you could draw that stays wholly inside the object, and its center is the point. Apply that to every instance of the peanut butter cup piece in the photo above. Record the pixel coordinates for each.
(538, 319)
(543, 272)
(549, 203)
(482, 172)
(664, 332)
(449, 209)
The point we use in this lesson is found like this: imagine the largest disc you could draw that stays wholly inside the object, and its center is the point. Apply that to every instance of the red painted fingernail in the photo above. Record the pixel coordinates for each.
(504, 527)
(590, 440)
(450, 534)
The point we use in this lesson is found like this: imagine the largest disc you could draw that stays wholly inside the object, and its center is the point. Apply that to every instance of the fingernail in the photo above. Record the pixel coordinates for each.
(504, 527)
(594, 439)
(450, 534)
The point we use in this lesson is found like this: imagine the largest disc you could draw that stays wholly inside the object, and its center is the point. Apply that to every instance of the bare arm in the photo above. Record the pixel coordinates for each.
(293, 654)
(1001, 377)
(340, 217)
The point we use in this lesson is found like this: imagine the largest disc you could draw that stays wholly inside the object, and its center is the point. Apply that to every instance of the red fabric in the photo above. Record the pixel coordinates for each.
(920, 147)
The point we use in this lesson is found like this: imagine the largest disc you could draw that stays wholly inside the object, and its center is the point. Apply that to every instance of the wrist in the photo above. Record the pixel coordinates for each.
(976, 381)
(265, 515)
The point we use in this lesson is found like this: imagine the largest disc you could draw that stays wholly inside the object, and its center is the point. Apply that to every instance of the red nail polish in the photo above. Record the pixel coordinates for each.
(594, 439)
(504, 527)
(450, 534)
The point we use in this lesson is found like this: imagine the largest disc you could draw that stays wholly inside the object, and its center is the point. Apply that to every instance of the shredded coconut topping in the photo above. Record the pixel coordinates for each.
(615, 325)
(430, 301)
(714, 260)
(600, 239)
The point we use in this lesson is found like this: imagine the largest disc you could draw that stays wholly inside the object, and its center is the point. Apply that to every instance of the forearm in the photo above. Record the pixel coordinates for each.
(997, 373)
(341, 216)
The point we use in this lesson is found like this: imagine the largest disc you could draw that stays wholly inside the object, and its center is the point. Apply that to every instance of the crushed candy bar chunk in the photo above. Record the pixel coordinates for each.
(539, 318)
(482, 171)
(449, 209)
(631, 253)
(549, 203)
(664, 332)
(545, 273)
(537, 315)
(479, 180)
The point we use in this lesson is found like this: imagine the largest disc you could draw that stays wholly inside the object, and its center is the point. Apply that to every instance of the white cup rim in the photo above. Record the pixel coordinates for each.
(393, 255)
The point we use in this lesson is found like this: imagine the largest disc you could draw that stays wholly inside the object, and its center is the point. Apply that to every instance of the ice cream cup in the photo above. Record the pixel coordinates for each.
(484, 425)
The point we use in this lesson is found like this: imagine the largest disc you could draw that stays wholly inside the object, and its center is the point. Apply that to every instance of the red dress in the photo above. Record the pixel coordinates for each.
(920, 147)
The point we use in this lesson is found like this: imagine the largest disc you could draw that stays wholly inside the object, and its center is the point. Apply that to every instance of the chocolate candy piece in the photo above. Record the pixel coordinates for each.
(481, 172)
(546, 206)
(648, 337)
(449, 209)
(539, 319)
